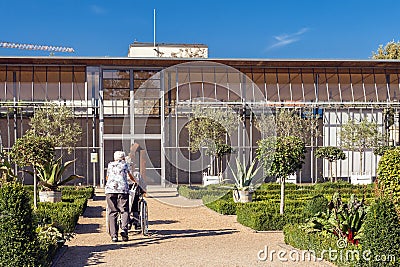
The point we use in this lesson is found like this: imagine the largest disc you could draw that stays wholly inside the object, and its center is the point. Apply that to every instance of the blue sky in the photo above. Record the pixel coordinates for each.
(342, 29)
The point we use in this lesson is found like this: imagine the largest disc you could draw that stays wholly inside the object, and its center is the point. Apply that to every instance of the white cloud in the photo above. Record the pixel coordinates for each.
(286, 39)
(97, 10)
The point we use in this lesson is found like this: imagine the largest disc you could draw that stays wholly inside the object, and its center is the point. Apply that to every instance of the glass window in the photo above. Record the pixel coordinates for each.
(25, 89)
(284, 87)
(332, 79)
(259, 85)
(13, 78)
(272, 89)
(79, 83)
(66, 83)
(39, 84)
(308, 84)
(3, 93)
(53, 83)
(297, 89)
(380, 80)
(358, 90)
(369, 86)
(345, 87)
(93, 79)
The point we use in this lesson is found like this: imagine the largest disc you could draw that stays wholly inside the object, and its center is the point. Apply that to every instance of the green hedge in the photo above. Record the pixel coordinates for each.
(198, 192)
(77, 192)
(64, 215)
(264, 215)
(18, 241)
(321, 242)
(224, 205)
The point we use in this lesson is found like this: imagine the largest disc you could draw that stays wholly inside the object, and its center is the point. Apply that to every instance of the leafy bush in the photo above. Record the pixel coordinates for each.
(381, 239)
(316, 204)
(18, 245)
(344, 220)
(318, 243)
(49, 240)
(389, 175)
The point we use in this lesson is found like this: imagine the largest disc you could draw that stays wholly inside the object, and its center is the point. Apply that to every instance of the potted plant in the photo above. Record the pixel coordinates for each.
(50, 178)
(243, 190)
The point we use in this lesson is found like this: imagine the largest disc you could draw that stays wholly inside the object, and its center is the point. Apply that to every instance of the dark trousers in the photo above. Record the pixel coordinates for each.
(118, 203)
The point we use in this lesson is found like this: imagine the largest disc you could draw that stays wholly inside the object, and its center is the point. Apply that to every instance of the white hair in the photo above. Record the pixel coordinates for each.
(119, 155)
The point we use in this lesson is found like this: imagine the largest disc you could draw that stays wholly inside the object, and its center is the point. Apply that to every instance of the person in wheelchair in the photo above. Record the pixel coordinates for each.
(137, 187)
(134, 194)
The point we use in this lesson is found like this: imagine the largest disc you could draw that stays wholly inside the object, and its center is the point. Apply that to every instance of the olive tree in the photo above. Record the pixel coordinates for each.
(209, 127)
(359, 136)
(332, 154)
(281, 156)
(289, 123)
(56, 123)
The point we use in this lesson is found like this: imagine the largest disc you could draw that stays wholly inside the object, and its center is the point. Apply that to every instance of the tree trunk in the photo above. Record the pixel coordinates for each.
(361, 162)
(330, 170)
(334, 169)
(282, 204)
(34, 189)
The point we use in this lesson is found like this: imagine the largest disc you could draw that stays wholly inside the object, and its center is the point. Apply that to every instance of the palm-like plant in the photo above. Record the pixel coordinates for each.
(50, 174)
(243, 177)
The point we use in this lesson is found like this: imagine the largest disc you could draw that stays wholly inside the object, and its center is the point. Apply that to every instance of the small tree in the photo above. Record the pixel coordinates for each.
(56, 123)
(281, 156)
(209, 128)
(34, 151)
(359, 136)
(332, 154)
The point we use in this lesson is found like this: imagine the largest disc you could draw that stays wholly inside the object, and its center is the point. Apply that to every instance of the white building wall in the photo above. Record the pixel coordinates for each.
(169, 51)
(333, 119)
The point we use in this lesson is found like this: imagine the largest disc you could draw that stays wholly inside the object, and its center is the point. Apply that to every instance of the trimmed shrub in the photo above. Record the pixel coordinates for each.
(314, 205)
(318, 243)
(223, 205)
(197, 192)
(64, 215)
(389, 176)
(77, 192)
(264, 215)
(277, 186)
(18, 246)
(381, 239)
(335, 185)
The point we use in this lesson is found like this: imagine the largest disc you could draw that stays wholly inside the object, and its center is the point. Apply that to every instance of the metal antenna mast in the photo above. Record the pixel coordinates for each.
(49, 48)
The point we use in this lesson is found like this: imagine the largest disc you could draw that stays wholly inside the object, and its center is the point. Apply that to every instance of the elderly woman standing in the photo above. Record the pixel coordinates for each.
(117, 195)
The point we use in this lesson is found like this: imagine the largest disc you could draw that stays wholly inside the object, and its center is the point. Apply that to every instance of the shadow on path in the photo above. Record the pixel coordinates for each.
(94, 255)
(162, 222)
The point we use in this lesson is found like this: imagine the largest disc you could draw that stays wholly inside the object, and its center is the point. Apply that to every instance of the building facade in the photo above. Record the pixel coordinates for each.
(145, 103)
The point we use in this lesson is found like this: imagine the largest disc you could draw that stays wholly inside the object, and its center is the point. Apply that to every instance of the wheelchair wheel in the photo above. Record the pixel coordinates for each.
(144, 222)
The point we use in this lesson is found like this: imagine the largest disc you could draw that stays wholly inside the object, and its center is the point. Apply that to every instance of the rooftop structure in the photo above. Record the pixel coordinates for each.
(146, 50)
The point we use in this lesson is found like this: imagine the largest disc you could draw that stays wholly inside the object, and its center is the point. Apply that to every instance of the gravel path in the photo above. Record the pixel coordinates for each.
(180, 236)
